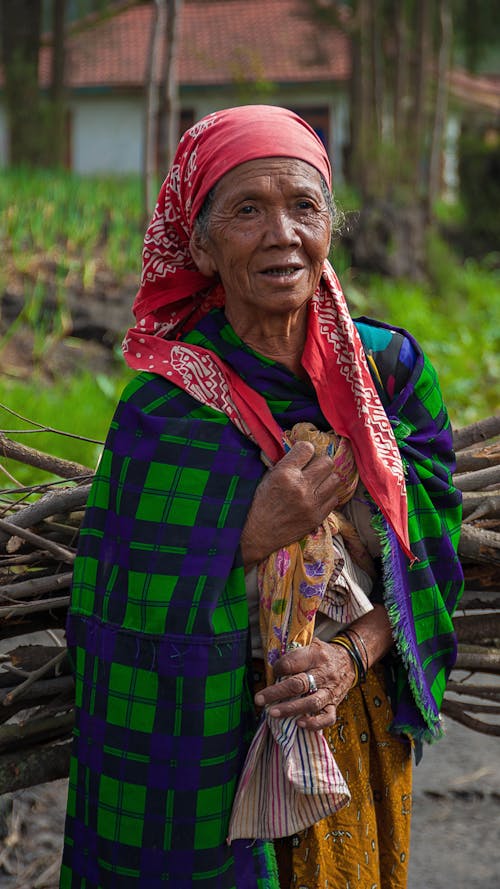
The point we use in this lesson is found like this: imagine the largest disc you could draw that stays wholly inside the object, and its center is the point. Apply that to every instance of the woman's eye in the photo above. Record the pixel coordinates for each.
(246, 210)
(305, 204)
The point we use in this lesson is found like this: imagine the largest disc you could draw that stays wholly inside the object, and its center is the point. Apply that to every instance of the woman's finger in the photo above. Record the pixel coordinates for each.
(306, 705)
(315, 723)
(295, 686)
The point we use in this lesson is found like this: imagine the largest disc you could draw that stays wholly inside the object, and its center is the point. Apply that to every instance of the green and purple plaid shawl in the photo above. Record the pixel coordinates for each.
(158, 625)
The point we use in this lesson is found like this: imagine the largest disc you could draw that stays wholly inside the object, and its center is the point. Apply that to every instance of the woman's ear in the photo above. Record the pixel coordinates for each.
(201, 254)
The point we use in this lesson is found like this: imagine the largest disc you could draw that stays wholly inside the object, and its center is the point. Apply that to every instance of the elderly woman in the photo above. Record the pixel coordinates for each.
(272, 518)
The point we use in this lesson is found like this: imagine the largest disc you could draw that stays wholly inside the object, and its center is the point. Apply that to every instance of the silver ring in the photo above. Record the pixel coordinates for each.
(312, 684)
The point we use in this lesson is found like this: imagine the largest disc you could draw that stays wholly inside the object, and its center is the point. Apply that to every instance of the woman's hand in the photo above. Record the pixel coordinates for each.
(333, 672)
(293, 498)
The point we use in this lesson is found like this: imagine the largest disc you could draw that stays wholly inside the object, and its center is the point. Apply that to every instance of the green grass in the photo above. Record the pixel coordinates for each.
(79, 406)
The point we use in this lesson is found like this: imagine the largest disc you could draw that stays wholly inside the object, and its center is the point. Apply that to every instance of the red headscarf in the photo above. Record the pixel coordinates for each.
(174, 295)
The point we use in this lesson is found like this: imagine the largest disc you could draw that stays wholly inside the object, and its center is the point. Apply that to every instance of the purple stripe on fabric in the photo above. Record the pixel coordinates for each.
(184, 658)
(127, 442)
(93, 729)
(244, 865)
(85, 853)
(159, 868)
(399, 597)
(100, 639)
(216, 546)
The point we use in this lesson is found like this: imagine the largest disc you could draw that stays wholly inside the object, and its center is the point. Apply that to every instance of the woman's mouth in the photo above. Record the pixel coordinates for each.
(283, 271)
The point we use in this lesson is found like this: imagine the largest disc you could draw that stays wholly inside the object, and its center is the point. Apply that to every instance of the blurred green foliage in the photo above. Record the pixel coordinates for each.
(455, 318)
(70, 221)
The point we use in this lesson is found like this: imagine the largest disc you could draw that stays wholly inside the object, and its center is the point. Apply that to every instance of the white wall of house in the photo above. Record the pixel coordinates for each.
(107, 131)
(106, 134)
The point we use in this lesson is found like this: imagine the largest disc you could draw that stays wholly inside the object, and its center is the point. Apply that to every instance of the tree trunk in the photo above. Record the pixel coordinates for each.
(56, 149)
(21, 29)
(441, 103)
(362, 111)
(401, 76)
(152, 104)
(377, 78)
(422, 65)
(168, 121)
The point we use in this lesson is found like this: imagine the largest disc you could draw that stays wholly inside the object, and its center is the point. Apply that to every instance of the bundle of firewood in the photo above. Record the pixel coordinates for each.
(38, 536)
(473, 695)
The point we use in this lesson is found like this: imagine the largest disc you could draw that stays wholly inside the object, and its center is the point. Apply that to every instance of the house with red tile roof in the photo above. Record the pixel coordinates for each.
(231, 52)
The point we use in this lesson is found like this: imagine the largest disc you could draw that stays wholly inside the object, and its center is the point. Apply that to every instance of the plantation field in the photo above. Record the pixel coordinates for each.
(60, 232)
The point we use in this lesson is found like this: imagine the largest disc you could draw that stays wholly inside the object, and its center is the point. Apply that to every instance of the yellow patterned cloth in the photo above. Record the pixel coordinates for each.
(366, 844)
(298, 579)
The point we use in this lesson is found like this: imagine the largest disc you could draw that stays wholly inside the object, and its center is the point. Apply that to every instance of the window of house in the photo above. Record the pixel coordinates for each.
(318, 117)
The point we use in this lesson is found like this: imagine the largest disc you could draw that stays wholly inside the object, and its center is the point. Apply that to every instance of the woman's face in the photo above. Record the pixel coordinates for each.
(268, 234)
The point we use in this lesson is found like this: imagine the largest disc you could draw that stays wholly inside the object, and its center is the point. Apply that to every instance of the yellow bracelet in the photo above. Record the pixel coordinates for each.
(338, 640)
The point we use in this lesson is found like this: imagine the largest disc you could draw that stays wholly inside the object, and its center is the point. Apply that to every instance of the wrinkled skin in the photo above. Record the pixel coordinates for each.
(268, 235)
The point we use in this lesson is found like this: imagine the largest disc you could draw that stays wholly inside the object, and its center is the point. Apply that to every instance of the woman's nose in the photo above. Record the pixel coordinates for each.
(280, 229)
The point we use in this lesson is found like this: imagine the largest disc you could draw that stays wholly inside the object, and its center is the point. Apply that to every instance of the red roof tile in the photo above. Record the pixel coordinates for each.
(222, 42)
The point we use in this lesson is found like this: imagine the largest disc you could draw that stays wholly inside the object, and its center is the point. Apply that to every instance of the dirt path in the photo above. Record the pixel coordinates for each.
(456, 820)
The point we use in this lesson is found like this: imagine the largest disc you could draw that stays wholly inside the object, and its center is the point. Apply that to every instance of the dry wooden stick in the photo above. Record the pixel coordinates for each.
(474, 458)
(481, 629)
(59, 552)
(39, 459)
(25, 589)
(9, 611)
(476, 432)
(6, 561)
(478, 659)
(36, 731)
(52, 689)
(478, 480)
(455, 711)
(19, 690)
(478, 545)
(471, 707)
(31, 657)
(489, 692)
(473, 600)
(51, 504)
(477, 504)
(29, 768)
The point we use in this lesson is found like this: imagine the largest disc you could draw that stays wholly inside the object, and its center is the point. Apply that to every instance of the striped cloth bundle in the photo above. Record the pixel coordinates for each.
(290, 780)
